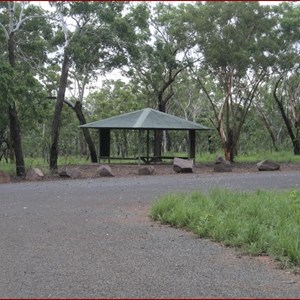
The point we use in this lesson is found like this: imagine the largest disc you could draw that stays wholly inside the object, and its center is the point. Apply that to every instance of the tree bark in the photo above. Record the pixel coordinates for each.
(16, 138)
(58, 109)
(14, 123)
(268, 126)
(88, 139)
(159, 133)
(288, 124)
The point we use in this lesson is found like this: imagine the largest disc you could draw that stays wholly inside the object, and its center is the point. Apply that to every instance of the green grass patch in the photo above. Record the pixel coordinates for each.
(280, 157)
(204, 157)
(261, 222)
(42, 164)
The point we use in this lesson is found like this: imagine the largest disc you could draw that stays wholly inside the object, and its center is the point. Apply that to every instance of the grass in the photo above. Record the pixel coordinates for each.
(281, 156)
(40, 163)
(205, 157)
(202, 158)
(258, 223)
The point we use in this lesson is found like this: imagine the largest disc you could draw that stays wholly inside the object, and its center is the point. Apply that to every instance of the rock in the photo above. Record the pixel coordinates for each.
(183, 165)
(221, 160)
(68, 172)
(63, 173)
(4, 177)
(104, 171)
(74, 173)
(267, 165)
(147, 170)
(34, 174)
(222, 165)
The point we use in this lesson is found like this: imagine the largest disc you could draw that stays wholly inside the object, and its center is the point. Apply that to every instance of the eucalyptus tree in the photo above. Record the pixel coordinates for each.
(116, 97)
(235, 46)
(164, 54)
(6, 76)
(23, 32)
(100, 37)
(267, 111)
(285, 79)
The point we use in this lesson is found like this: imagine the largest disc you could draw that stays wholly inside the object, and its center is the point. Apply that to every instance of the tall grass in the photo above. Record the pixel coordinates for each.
(261, 222)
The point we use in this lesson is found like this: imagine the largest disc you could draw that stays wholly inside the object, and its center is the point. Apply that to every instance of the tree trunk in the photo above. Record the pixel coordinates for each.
(159, 133)
(58, 109)
(78, 109)
(287, 121)
(16, 138)
(14, 123)
(268, 126)
(296, 146)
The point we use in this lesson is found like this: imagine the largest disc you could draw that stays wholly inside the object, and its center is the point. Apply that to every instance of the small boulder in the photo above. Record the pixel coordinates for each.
(222, 165)
(63, 172)
(147, 170)
(68, 172)
(34, 174)
(183, 165)
(4, 177)
(267, 165)
(104, 171)
(221, 160)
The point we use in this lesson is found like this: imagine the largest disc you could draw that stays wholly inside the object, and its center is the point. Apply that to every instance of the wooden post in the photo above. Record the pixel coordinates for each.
(192, 144)
(148, 152)
(139, 145)
(104, 138)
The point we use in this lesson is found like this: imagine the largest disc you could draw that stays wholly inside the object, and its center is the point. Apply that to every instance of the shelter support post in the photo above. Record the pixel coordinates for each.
(192, 144)
(104, 146)
(148, 150)
(139, 145)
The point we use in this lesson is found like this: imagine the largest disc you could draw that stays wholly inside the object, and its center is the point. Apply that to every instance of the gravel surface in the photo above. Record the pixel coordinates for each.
(92, 238)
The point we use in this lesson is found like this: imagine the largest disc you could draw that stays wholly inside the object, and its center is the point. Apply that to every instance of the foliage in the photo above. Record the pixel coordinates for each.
(261, 222)
(233, 41)
(216, 63)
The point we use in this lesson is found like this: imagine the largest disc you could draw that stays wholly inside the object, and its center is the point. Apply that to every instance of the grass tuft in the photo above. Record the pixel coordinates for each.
(258, 223)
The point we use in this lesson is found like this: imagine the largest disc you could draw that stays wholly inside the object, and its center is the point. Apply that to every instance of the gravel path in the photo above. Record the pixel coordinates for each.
(92, 238)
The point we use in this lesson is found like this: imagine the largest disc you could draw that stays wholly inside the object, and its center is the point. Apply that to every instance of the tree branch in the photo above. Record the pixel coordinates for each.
(5, 31)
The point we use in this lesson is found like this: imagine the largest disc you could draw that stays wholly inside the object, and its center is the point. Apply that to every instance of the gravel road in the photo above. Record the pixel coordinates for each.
(92, 238)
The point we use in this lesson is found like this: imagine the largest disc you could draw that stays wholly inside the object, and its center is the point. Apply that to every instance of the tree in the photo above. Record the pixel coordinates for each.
(289, 107)
(286, 70)
(6, 75)
(234, 43)
(101, 40)
(17, 25)
(116, 97)
(266, 109)
(162, 58)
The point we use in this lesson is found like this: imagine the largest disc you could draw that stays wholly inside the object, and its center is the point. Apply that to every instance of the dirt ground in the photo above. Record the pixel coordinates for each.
(131, 170)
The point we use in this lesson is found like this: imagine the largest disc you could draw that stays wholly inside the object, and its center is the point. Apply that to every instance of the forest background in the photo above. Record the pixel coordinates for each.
(231, 66)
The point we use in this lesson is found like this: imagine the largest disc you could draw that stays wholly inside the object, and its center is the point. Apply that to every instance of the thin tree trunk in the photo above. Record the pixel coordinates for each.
(58, 109)
(268, 126)
(159, 133)
(16, 138)
(294, 138)
(86, 133)
(296, 146)
(78, 110)
(14, 123)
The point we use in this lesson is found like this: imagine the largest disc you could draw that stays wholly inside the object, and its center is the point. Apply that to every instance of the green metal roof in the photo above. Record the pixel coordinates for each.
(145, 119)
